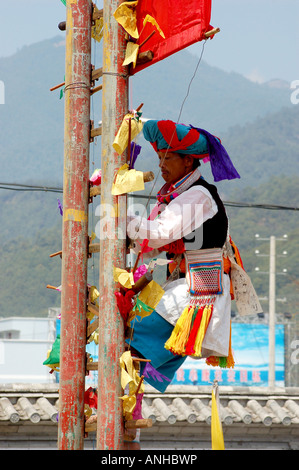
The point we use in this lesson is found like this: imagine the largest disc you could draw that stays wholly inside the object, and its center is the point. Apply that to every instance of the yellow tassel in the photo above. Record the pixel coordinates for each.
(179, 336)
(176, 331)
(183, 337)
(230, 358)
(202, 330)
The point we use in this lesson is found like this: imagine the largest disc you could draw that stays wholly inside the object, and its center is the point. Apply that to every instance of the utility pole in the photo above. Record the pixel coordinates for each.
(75, 225)
(110, 429)
(272, 303)
(272, 297)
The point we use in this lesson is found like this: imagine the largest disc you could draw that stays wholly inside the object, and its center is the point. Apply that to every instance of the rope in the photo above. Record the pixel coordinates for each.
(116, 74)
(77, 85)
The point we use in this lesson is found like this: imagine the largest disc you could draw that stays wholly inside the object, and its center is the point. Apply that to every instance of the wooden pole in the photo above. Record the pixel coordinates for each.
(75, 225)
(110, 428)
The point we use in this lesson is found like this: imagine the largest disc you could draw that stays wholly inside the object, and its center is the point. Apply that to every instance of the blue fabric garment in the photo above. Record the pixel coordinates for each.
(150, 335)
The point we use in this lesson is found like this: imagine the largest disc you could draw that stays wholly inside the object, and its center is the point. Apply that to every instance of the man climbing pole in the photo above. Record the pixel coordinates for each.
(190, 224)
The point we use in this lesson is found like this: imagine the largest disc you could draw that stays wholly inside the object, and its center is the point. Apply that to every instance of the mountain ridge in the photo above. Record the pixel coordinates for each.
(32, 119)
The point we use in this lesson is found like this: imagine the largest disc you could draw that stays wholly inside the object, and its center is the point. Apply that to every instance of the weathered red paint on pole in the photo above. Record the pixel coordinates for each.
(113, 247)
(75, 225)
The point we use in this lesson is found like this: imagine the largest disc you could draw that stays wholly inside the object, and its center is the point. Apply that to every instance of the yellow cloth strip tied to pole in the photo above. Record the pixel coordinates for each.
(125, 15)
(131, 54)
(129, 381)
(122, 137)
(127, 181)
(123, 277)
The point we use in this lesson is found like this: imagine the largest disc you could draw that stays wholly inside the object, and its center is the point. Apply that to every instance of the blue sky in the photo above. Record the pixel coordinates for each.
(259, 38)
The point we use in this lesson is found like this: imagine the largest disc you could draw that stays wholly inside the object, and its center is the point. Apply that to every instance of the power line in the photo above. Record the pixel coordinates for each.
(249, 205)
(29, 187)
(241, 204)
(260, 206)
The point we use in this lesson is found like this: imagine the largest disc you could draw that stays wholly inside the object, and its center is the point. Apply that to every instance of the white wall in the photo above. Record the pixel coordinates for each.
(24, 343)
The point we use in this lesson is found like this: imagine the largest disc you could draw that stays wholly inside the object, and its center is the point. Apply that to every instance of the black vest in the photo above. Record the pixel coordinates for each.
(213, 232)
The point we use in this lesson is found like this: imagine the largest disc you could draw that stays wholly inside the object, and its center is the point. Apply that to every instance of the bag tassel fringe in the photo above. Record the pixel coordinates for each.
(190, 329)
(223, 362)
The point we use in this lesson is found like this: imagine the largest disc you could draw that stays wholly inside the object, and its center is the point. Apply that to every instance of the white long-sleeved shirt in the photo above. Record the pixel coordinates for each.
(186, 213)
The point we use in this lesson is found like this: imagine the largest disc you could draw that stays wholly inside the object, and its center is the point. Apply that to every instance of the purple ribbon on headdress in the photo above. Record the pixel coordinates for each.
(149, 370)
(221, 164)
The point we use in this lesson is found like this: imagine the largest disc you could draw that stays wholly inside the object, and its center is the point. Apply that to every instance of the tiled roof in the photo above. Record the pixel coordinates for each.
(238, 405)
(179, 405)
(29, 402)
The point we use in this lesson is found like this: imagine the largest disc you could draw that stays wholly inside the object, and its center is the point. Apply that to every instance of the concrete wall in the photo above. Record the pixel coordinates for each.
(24, 344)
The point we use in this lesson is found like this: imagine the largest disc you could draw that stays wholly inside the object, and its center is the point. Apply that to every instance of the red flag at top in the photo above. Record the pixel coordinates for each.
(177, 24)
